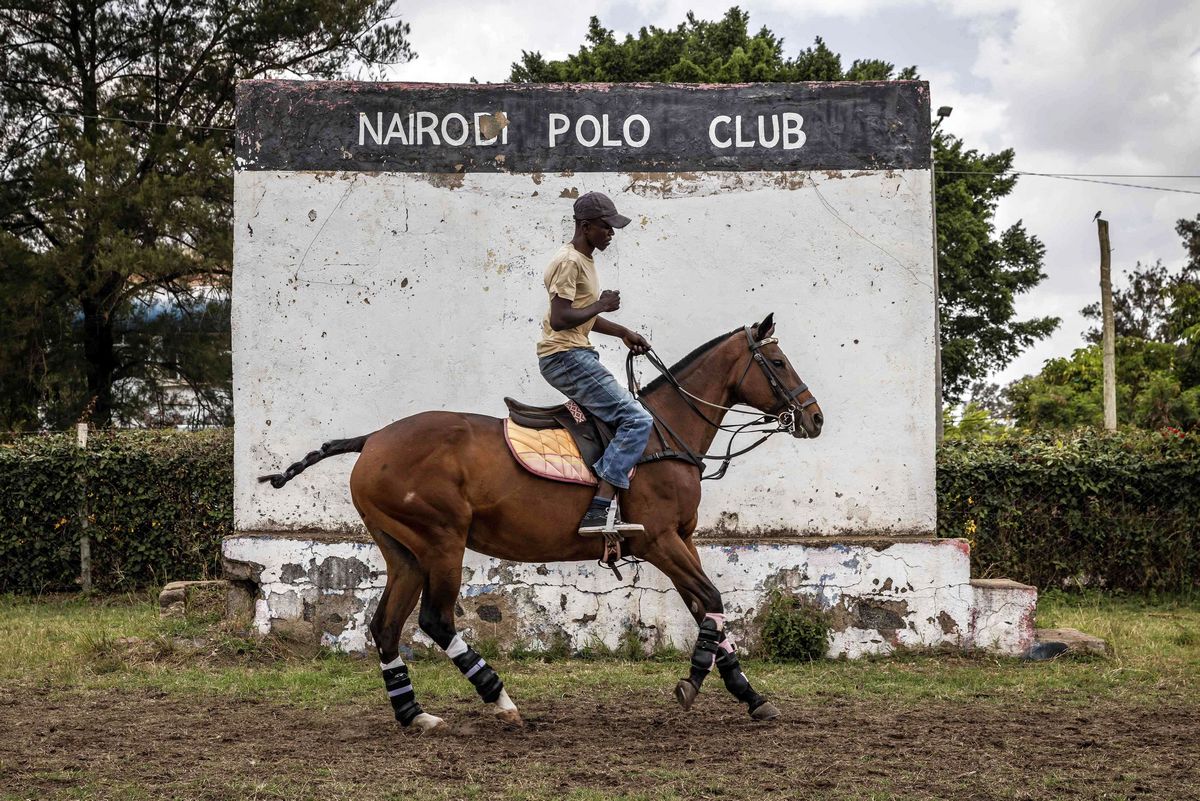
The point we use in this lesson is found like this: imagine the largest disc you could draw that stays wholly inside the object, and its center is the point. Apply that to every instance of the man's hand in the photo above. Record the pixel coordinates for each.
(636, 342)
(610, 300)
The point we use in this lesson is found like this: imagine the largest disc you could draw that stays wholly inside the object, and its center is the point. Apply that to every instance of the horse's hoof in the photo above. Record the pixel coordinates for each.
(765, 711)
(510, 717)
(426, 723)
(685, 694)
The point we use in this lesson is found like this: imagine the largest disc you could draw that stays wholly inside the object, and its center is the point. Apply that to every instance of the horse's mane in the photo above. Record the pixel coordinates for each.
(686, 360)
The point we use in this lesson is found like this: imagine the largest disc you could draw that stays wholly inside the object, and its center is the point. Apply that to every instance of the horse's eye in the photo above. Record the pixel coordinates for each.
(777, 362)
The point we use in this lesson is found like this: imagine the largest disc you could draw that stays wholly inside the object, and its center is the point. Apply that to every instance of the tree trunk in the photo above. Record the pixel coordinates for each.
(100, 355)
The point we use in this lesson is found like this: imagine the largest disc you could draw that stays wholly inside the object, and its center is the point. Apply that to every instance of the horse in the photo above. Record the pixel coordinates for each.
(436, 483)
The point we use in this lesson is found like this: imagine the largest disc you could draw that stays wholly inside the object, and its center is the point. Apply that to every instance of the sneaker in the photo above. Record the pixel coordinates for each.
(595, 522)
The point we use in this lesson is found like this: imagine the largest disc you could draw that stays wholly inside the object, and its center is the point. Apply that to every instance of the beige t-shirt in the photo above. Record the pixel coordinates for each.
(572, 276)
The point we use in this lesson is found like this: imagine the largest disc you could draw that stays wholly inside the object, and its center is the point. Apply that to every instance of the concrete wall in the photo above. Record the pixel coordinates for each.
(882, 595)
(361, 298)
(381, 275)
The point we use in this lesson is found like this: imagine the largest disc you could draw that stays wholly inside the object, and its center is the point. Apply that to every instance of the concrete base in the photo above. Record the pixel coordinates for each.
(883, 594)
(1053, 643)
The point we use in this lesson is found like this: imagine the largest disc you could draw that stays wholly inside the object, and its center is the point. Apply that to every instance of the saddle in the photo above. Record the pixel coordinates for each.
(556, 442)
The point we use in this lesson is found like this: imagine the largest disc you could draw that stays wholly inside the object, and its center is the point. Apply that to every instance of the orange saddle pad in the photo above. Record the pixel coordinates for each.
(548, 452)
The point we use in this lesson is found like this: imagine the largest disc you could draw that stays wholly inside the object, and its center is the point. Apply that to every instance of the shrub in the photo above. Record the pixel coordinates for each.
(1117, 511)
(793, 628)
(157, 503)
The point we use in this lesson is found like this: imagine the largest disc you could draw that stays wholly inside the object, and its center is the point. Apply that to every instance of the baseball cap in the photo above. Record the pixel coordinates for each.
(597, 206)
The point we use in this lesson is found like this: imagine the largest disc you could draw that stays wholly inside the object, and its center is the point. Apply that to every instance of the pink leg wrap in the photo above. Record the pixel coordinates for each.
(718, 619)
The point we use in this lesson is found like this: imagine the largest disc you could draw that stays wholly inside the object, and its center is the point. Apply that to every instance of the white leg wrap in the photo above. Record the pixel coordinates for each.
(456, 647)
(395, 663)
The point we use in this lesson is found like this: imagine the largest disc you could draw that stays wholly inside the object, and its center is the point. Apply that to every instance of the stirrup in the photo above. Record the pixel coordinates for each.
(612, 526)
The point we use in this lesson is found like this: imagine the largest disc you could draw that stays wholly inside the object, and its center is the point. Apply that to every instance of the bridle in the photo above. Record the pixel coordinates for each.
(784, 414)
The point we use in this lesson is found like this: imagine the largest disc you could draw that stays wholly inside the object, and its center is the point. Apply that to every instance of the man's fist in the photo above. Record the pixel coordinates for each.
(610, 300)
(636, 342)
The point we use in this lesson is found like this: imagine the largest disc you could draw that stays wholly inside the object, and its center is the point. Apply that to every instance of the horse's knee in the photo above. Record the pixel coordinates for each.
(433, 623)
(710, 597)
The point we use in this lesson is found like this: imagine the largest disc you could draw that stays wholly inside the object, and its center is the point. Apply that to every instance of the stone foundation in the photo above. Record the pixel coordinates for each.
(884, 594)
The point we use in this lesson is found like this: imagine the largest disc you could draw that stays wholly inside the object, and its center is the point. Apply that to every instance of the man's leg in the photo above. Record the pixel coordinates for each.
(581, 377)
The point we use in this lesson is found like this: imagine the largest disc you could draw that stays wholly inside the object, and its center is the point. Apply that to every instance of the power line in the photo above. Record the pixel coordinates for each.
(1073, 174)
(1077, 177)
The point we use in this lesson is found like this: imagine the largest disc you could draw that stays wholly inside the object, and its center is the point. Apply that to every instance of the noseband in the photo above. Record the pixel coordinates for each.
(786, 410)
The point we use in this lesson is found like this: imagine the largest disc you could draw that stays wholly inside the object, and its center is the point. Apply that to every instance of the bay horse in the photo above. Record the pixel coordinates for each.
(432, 485)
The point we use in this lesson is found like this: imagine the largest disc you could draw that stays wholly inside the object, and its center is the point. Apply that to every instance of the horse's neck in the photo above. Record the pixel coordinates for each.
(709, 379)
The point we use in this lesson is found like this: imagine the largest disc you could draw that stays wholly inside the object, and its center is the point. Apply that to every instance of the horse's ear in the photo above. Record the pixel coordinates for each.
(765, 328)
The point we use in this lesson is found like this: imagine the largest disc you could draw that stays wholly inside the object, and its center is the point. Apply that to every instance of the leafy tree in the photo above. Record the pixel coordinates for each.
(980, 273)
(1140, 310)
(116, 180)
(1157, 321)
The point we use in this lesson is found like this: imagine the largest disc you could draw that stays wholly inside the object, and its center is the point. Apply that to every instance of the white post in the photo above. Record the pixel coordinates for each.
(85, 544)
(1109, 337)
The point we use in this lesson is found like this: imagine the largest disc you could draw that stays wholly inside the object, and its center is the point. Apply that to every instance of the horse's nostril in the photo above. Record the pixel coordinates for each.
(819, 419)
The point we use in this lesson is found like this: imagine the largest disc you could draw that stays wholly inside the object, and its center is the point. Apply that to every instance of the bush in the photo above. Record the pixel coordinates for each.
(793, 628)
(157, 502)
(1117, 511)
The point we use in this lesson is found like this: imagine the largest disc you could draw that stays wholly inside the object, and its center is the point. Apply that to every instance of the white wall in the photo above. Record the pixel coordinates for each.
(360, 298)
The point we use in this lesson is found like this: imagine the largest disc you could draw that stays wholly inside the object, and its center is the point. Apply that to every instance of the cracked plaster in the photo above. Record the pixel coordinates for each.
(929, 593)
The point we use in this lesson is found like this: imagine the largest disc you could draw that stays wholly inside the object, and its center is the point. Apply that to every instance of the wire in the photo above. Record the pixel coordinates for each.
(1074, 174)
(1072, 177)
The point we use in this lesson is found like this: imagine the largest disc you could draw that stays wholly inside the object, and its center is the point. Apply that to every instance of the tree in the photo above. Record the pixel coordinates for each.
(116, 167)
(1157, 320)
(1140, 310)
(980, 274)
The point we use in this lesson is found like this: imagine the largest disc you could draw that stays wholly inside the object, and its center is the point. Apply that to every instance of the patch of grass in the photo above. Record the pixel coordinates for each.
(119, 642)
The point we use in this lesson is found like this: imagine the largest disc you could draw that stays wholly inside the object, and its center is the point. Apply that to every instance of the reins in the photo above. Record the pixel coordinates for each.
(785, 421)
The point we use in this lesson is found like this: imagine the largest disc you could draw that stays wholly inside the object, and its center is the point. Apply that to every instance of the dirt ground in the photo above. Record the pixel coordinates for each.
(152, 745)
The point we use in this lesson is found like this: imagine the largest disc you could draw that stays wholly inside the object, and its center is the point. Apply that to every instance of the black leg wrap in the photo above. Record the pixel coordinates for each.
(736, 681)
(480, 673)
(400, 693)
(705, 652)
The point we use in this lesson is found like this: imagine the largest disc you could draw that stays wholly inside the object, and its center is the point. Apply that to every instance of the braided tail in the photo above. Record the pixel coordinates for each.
(331, 448)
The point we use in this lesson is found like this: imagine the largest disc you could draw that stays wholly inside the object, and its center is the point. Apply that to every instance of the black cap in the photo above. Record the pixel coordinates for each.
(597, 206)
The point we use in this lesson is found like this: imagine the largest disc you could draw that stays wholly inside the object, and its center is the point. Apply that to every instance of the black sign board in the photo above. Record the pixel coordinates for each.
(388, 127)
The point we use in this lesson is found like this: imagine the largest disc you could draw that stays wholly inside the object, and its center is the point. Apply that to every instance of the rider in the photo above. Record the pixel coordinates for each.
(570, 363)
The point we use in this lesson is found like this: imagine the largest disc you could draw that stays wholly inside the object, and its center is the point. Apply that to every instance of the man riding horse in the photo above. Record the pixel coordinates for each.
(434, 484)
(570, 363)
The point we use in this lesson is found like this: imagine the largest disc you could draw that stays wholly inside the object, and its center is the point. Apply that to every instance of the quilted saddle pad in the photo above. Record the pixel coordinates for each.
(548, 452)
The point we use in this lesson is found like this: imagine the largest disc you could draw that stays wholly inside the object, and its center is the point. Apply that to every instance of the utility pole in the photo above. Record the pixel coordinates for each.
(939, 426)
(1109, 338)
(85, 542)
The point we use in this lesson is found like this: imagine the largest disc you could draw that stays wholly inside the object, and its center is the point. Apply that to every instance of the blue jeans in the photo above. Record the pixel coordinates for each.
(579, 375)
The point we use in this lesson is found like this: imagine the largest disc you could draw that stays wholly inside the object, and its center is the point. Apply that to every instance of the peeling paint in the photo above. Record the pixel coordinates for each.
(521, 603)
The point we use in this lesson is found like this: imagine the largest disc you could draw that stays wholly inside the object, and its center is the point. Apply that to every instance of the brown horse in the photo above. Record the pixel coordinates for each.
(434, 484)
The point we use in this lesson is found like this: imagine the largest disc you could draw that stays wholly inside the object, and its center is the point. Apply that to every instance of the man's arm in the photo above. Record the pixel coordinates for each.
(563, 315)
(632, 339)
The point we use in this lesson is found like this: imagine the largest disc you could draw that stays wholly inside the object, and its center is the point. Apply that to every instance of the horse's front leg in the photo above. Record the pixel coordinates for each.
(714, 647)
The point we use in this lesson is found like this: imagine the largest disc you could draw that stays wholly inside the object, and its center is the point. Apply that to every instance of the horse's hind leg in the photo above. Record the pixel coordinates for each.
(400, 594)
(714, 648)
(437, 620)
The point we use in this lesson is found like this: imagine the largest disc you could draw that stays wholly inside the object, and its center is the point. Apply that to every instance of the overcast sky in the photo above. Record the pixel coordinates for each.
(1093, 86)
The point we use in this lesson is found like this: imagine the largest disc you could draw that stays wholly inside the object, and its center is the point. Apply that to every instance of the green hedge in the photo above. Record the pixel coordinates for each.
(1117, 511)
(158, 504)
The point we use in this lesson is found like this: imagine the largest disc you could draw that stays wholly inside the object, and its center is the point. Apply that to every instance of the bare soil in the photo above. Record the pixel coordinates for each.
(148, 744)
